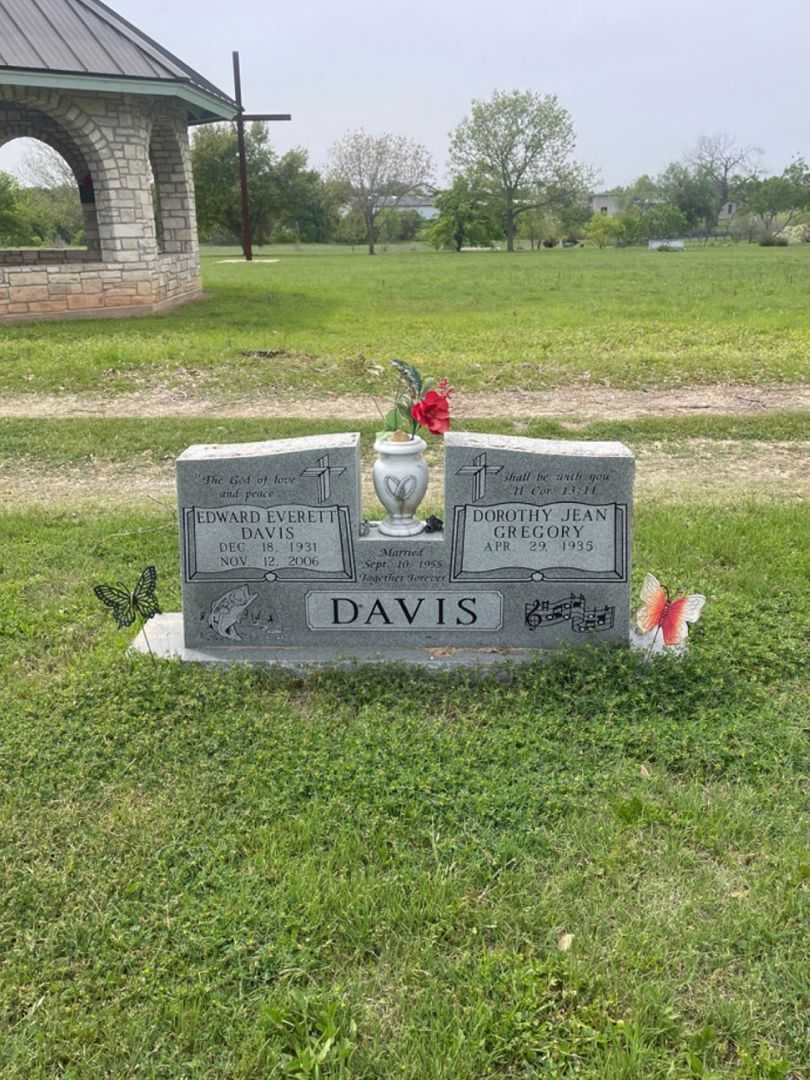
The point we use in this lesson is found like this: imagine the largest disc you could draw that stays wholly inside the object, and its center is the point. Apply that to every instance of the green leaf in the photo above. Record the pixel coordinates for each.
(392, 420)
(411, 375)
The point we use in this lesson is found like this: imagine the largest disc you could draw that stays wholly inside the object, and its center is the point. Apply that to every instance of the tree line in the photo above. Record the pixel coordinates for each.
(511, 159)
(718, 189)
(513, 176)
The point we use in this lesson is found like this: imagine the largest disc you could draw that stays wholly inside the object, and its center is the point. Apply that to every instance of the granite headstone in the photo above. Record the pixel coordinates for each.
(275, 558)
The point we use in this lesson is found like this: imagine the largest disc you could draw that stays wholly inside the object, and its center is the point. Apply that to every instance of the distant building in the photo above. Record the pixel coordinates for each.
(727, 212)
(422, 204)
(607, 203)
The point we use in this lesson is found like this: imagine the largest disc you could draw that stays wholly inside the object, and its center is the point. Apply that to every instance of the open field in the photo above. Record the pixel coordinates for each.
(315, 322)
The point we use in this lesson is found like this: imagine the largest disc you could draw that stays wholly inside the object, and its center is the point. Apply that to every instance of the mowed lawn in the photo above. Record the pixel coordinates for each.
(591, 868)
(318, 319)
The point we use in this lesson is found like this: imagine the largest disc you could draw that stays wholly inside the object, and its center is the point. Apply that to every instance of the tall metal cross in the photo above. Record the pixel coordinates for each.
(323, 470)
(478, 471)
(241, 119)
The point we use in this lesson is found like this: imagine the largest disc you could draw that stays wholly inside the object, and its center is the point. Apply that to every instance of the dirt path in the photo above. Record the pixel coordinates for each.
(701, 470)
(575, 404)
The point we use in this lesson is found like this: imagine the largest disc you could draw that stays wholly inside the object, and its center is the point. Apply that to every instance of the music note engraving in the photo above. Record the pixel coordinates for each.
(540, 613)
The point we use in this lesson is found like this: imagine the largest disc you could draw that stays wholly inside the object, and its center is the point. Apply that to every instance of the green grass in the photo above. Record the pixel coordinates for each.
(247, 874)
(627, 318)
(73, 441)
(366, 875)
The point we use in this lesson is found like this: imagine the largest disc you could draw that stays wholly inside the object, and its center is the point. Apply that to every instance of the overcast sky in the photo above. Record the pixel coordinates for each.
(641, 78)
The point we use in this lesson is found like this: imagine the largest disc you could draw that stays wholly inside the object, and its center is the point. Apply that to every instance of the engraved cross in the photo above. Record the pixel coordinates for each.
(323, 470)
(478, 471)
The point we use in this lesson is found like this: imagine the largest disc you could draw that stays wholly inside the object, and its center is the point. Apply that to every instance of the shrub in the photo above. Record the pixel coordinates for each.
(601, 230)
(773, 241)
(549, 242)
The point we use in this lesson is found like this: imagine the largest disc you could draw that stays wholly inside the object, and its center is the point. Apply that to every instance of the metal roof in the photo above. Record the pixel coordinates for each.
(87, 38)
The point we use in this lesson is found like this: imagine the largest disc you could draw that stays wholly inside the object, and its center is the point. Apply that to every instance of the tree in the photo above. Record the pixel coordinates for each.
(538, 225)
(518, 145)
(215, 161)
(574, 212)
(50, 196)
(296, 190)
(660, 221)
(664, 222)
(776, 201)
(43, 167)
(410, 224)
(389, 226)
(54, 214)
(265, 207)
(15, 226)
(283, 191)
(398, 225)
(465, 217)
(351, 228)
(321, 218)
(693, 192)
(378, 171)
(642, 192)
(602, 230)
(723, 161)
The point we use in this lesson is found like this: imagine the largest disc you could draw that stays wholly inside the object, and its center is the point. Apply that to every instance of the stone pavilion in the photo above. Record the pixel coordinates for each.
(117, 107)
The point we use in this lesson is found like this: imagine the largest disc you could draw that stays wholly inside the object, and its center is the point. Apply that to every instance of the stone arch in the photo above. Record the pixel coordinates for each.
(22, 122)
(78, 124)
(76, 130)
(173, 191)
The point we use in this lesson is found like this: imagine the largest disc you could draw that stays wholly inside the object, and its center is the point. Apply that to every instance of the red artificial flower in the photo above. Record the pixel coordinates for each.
(433, 411)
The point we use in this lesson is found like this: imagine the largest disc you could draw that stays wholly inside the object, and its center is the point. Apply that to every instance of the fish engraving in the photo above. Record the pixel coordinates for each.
(227, 611)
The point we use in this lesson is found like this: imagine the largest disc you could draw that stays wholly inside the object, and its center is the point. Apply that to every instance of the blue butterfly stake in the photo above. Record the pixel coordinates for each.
(126, 606)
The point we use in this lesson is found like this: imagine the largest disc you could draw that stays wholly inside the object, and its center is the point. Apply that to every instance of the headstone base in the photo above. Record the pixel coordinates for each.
(166, 643)
(165, 637)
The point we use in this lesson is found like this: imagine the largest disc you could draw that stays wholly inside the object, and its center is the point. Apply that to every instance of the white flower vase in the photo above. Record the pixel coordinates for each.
(400, 481)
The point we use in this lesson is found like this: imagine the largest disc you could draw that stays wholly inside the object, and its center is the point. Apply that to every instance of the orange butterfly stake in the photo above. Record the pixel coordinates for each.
(666, 619)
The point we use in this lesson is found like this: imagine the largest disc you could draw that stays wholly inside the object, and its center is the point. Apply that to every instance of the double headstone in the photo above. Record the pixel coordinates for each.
(278, 563)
